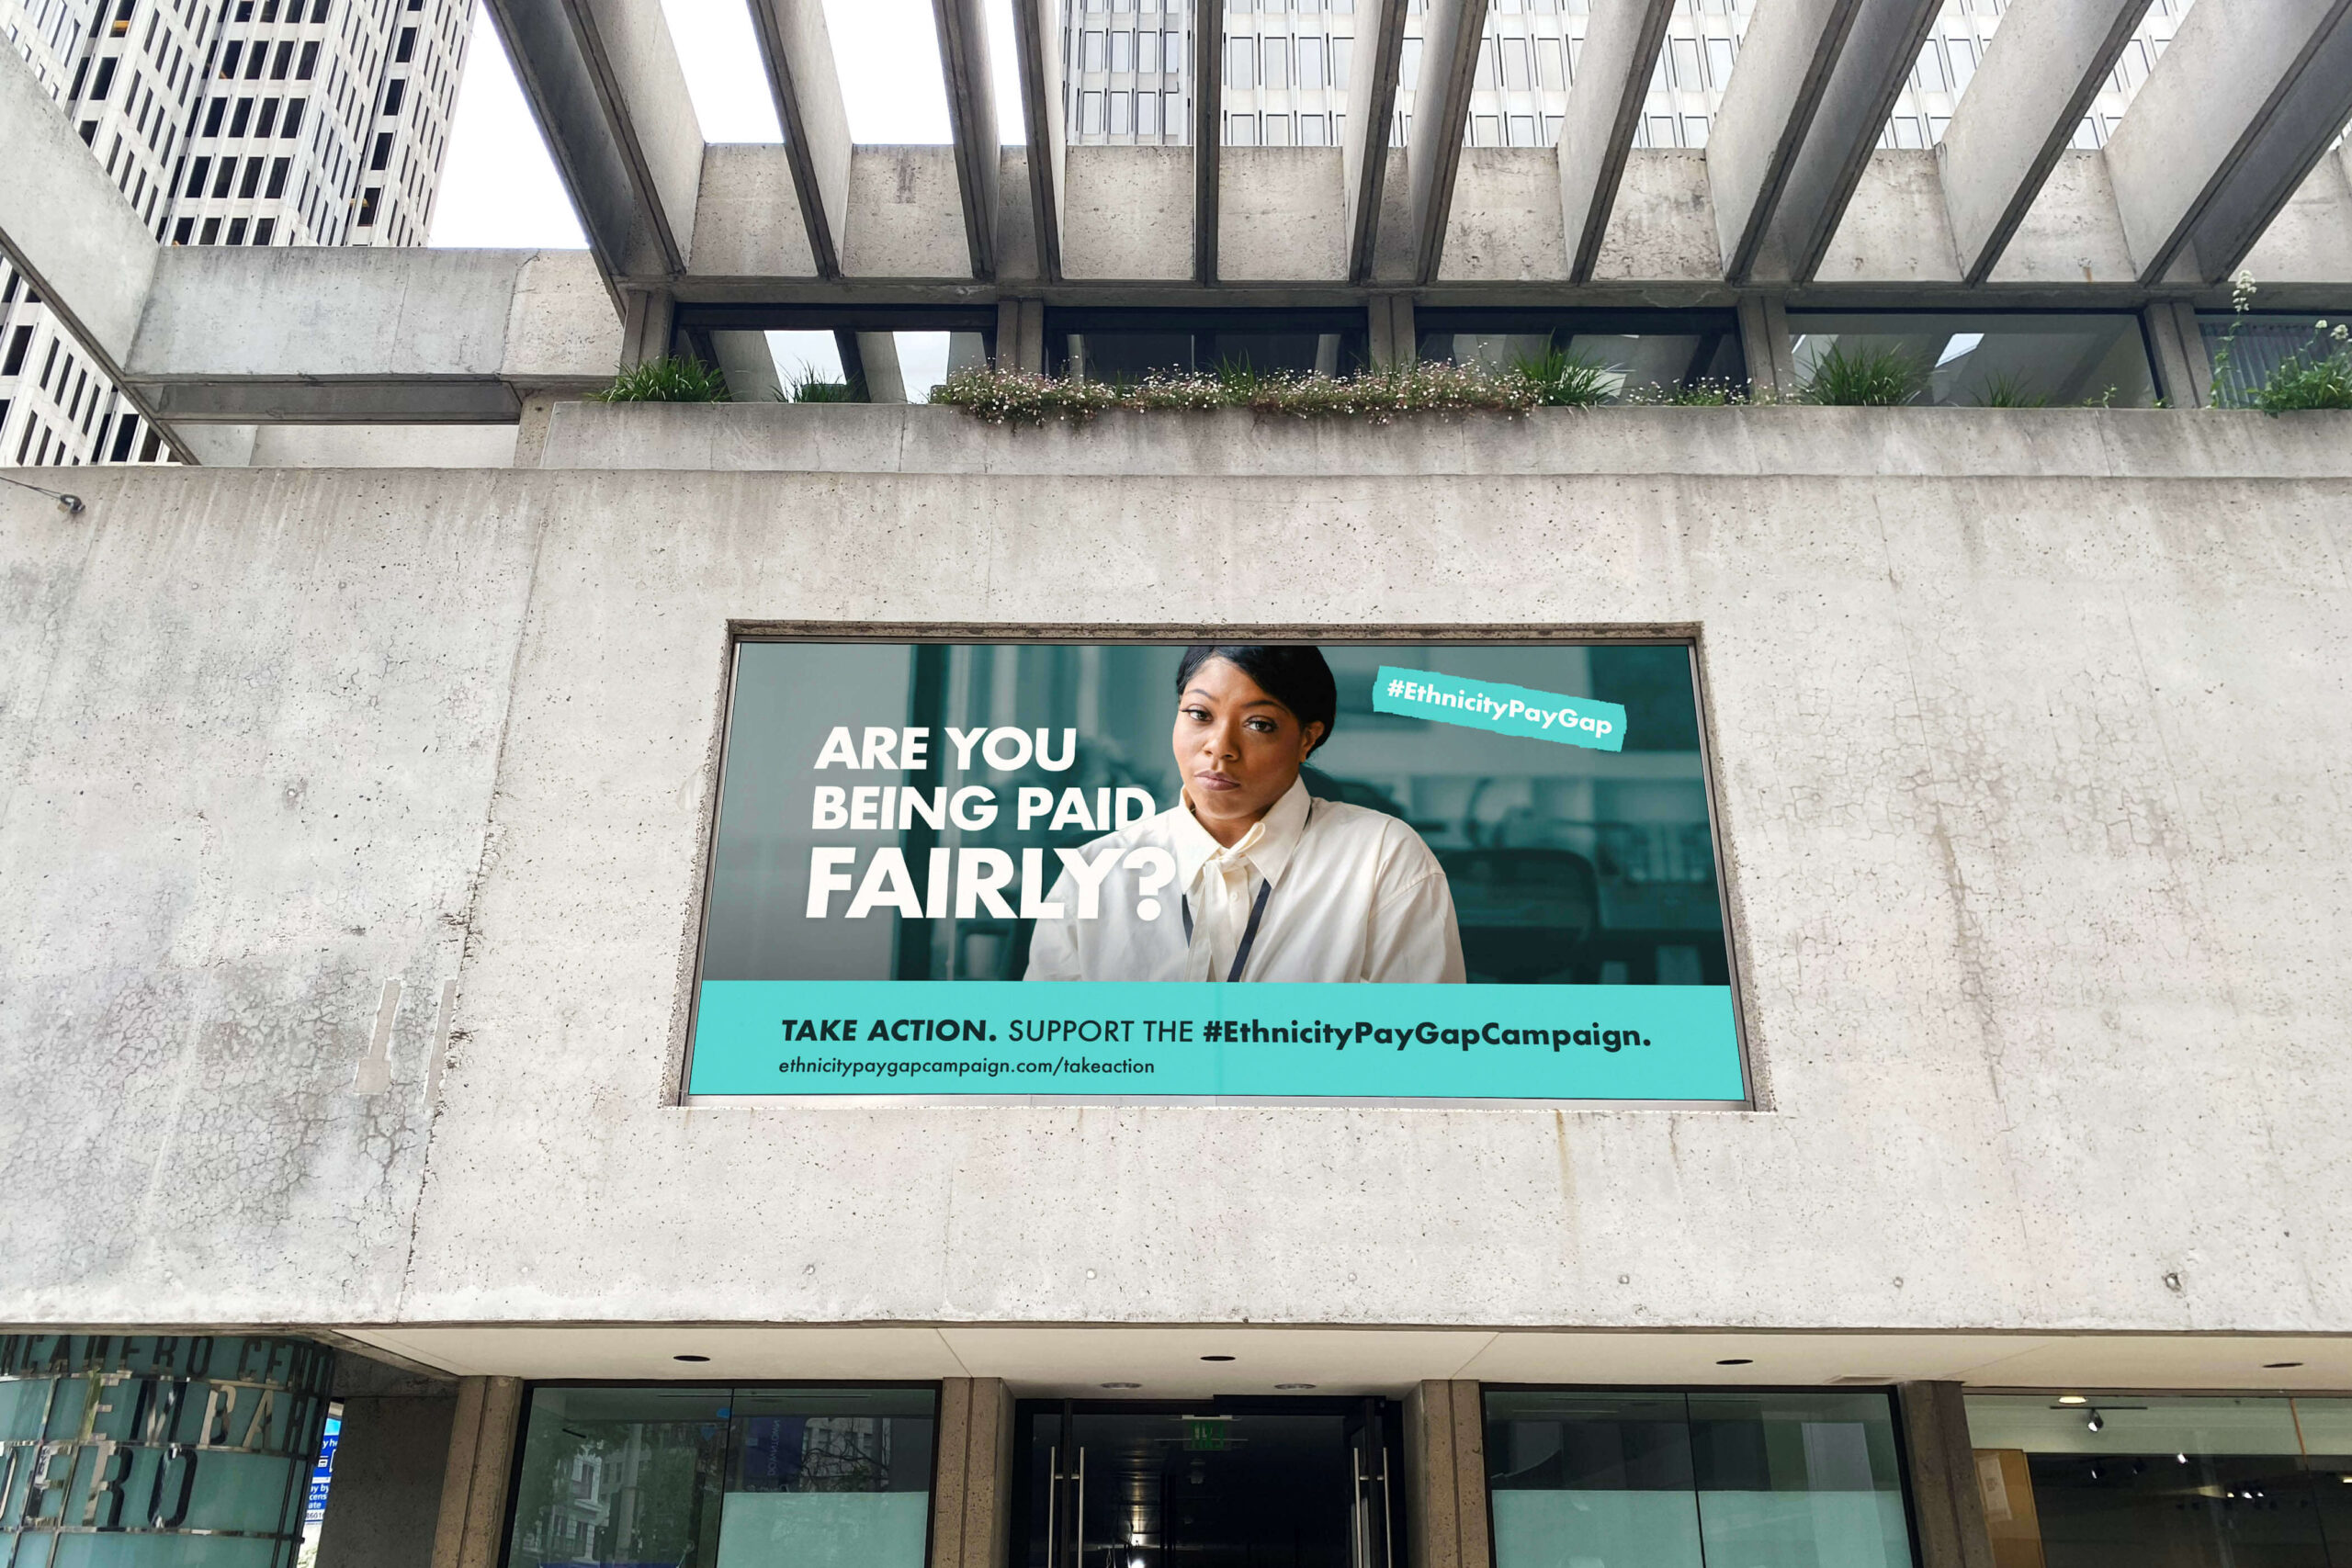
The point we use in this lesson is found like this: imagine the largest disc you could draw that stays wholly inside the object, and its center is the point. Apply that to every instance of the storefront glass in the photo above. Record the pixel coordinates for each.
(691, 1477)
(1669, 1480)
(2119, 1481)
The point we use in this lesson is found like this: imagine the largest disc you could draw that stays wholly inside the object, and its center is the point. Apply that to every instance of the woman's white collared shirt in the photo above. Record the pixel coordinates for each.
(1356, 896)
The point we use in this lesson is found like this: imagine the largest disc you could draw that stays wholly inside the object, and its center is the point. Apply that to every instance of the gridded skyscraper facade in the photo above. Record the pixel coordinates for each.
(1286, 62)
(232, 122)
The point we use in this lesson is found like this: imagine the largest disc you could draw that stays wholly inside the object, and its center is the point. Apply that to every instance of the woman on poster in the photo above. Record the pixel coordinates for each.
(1268, 883)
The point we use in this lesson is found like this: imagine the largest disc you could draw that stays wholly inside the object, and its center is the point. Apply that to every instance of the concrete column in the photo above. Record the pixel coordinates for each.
(971, 1508)
(2184, 367)
(646, 318)
(1033, 336)
(1764, 342)
(483, 1432)
(1445, 1477)
(531, 431)
(1403, 337)
(388, 1468)
(1946, 1505)
(1377, 346)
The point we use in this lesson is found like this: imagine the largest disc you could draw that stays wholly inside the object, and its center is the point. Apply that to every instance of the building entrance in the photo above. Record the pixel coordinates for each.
(1209, 1484)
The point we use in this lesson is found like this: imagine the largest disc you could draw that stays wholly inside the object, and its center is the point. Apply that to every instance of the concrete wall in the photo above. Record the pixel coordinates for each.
(386, 1490)
(2027, 739)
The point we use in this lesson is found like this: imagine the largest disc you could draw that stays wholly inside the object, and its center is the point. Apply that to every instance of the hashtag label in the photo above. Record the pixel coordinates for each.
(1504, 710)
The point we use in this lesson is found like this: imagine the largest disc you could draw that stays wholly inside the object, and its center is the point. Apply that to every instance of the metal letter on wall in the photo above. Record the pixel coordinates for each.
(121, 1435)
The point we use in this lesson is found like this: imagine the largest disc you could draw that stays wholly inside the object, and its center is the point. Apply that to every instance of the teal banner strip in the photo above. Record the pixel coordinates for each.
(1506, 710)
(1131, 1038)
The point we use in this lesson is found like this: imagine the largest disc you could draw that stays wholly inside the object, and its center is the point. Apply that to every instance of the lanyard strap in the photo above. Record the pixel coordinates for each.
(1248, 936)
(1257, 913)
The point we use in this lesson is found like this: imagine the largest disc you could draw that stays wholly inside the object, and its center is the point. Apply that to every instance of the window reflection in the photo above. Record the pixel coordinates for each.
(1661, 1480)
(690, 1477)
(1969, 359)
(2180, 1481)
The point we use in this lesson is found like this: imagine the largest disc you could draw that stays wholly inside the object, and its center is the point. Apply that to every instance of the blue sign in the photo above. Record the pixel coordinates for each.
(315, 1509)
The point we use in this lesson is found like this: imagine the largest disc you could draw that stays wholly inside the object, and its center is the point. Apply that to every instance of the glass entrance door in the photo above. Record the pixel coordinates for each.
(1209, 1484)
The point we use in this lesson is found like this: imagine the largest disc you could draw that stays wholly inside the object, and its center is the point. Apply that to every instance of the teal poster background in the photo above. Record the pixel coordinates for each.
(1583, 879)
(1127, 1037)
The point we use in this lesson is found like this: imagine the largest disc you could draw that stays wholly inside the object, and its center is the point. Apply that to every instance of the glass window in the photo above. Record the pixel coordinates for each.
(1981, 360)
(2259, 343)
(1623, 1479)
(2184, 1481)
(1642, 354)
(727, 1477)
(1516, 75)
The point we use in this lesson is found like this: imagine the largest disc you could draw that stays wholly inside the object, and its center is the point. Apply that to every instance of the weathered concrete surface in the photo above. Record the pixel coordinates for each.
(61, 218)
(386, 1491)
(241, 332)
(748, 222)
(905, 215)
(2028, 781)
(1505, 225)
(1281, 214)
(1128, 213)
(1955, 443)
(246, 751)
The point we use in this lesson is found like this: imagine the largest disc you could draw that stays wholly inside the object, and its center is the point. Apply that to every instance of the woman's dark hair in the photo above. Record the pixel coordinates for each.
(1292, 673)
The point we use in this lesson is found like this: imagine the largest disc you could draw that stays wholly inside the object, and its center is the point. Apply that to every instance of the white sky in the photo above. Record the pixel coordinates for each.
(500, 186)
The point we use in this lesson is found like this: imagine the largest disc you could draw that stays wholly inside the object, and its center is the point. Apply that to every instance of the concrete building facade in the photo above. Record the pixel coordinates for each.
(382, 841)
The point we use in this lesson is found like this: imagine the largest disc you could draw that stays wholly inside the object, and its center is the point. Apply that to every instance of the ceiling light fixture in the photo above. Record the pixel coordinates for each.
(2072, 1399)
(1123, 1385)
(2096, 1422)
(1737, 1361)
(690, 1358)
(2278, 1366)
(1292, 1387)
(1216, 1357)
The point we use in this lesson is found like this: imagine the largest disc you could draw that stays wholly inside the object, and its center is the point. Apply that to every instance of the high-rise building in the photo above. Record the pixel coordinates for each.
(242, 122)
(1128, 67)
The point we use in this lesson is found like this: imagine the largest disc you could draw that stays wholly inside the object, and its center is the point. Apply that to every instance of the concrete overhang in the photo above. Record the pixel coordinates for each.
(1070, 1358)
(378, 336)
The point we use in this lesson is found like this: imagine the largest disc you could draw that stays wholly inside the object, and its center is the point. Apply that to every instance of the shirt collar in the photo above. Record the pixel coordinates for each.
(1268, 846)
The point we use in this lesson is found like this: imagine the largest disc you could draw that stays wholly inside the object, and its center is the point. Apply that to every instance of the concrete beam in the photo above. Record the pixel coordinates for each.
(2244, 102)
(1814, 83)
(2043, 67)
(798, 55)
(1208, 134)
(1620, 45)
(1451, 32)
(603, 83)
(339, 335)
(1037, 34)
(1371, 118)
(971, 114)
(69, 231)
(748, 366)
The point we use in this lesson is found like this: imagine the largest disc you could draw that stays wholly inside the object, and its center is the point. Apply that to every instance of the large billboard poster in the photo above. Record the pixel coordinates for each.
(1288, 871)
